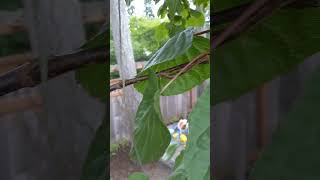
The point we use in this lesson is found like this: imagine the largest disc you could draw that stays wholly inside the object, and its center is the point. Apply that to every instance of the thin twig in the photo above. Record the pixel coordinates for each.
(245, 16)
(202, 32)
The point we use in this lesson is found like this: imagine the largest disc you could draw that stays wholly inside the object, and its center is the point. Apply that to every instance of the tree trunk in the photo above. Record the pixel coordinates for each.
(124, 55)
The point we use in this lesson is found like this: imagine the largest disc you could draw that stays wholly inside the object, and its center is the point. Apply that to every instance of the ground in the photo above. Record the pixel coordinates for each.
(121, 167)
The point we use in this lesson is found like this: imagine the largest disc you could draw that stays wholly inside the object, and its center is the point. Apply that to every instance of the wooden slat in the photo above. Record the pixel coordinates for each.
(12, 21)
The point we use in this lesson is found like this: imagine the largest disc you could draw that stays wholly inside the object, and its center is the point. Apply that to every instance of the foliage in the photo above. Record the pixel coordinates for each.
(144, 38)
(10, 4)
(14, 43)
(115, 147)
(138, 176)
(93, 78)
(95, 167)
(181, 16)
(143, 34)
(178, 50)
(164, 59)
(268, 50)
(197, 154)
(100, 40)
(150, 137)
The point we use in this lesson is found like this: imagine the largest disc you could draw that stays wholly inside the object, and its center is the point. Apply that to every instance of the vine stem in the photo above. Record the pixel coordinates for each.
(202, 32)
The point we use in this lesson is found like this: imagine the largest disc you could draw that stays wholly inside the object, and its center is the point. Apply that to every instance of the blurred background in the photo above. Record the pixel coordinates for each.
(46, 135)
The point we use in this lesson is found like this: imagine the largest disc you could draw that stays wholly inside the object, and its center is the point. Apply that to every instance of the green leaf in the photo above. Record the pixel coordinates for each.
(197, 154)
(294, 151)
(170, 55)
(271, 48)
(93, 78)
(161, 32)
(96, 164)
(174, 6)
(204, 3)
(162, 10)
(175, 46)
(196, 19)
(177, 20)
(183, 83)
(100, 40)
(138, 176)
(150, 137)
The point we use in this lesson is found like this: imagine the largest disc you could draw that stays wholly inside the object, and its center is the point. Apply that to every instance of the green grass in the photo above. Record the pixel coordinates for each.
(115, 147)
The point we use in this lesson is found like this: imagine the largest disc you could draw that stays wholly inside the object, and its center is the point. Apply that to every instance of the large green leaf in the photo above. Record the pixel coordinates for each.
(150, 137)
(294, 151)
(172, 54)
(183, 83)
(94, 78)
(269, 49)
(162, 59)
(175, 46)
(197, 154)
(96, 164)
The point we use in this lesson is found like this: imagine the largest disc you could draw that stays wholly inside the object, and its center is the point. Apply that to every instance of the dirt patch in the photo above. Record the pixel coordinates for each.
(121, 167)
